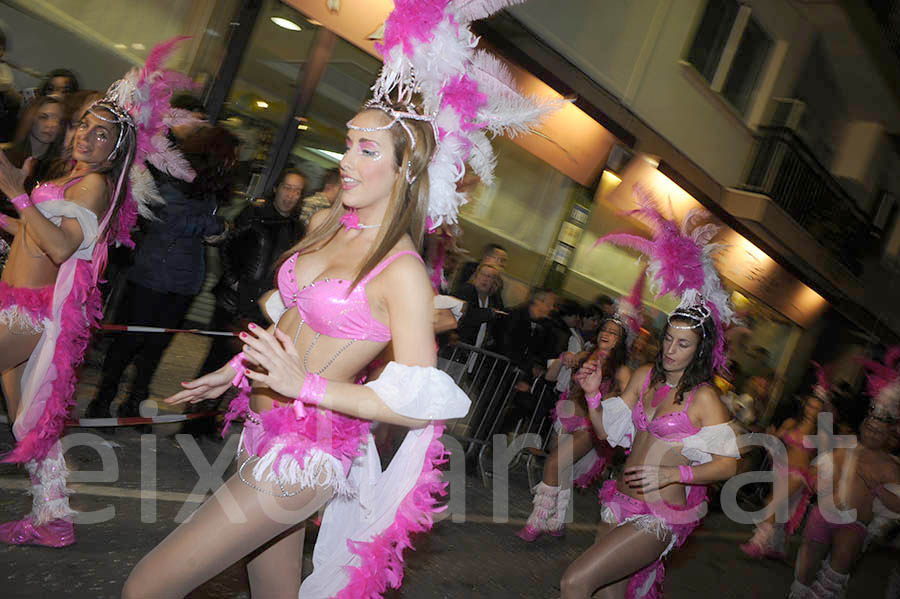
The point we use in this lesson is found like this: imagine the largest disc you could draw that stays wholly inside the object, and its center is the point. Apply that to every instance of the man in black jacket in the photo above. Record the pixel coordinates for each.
(261, 234)
(527, 340)
(483, 307)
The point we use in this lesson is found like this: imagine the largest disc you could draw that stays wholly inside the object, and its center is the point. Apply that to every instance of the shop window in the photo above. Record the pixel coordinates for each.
(730, 50)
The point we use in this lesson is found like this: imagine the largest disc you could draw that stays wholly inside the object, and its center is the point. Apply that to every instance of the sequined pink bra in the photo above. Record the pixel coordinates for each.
(48, 192)
(669, 427)
(327, 307)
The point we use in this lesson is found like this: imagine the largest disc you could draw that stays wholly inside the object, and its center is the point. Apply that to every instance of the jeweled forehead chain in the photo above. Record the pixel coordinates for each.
(398, 117)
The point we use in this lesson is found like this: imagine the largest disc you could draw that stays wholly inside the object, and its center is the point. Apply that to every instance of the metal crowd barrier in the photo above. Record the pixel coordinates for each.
(489, 379)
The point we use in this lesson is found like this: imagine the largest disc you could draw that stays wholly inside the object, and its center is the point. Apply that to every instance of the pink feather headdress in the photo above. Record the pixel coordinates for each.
(144, 94)
(883, 383)
(629, 310)
(680, 263)
(466, 93)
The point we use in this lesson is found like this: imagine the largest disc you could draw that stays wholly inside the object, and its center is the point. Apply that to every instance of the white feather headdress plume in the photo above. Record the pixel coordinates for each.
(430, 52)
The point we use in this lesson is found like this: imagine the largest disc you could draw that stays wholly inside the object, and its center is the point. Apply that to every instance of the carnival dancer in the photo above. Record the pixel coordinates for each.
(849, 480)
(578, 456)
(669, 416)
(49, 299)
(354, 284)
(768, 540)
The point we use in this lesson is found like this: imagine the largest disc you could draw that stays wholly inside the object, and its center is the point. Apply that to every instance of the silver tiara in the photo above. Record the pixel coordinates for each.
(399, 117)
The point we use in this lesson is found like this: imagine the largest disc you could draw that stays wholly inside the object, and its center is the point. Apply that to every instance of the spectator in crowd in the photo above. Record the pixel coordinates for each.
(169, 266)
(483, 308)
(493, 254)
(527, 340)
(605, 304)
(59, 83)
(39, 135)
(324, 198)
(10, 99)
(261, 233)
(577, 347)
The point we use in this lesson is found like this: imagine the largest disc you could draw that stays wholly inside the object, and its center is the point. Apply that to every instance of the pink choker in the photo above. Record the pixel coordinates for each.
(350, 220)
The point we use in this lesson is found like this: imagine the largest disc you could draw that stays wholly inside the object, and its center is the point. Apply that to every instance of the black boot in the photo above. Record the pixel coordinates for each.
(98, 408)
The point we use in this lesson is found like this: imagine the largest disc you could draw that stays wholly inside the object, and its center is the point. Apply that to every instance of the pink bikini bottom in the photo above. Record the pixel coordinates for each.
(658, 518)
(299, 453)
(820, 530)
(24, 309)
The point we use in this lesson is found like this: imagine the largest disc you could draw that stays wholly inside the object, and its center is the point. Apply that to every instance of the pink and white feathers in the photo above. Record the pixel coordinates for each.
(629, 309)
(681, 263)
(429, 50)
(883, 382)
(822, 388)
(144, 93)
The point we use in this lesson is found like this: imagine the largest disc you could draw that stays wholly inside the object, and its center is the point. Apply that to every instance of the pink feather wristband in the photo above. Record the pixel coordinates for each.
(312, 392)
(21, 202)
(686, 474)
(240, 377)
(593, 401)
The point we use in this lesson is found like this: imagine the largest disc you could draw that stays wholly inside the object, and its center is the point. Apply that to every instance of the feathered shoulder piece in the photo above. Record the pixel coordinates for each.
(144, 94)
(883, 383)
(681, 263)
(430, 52)
(629, 312)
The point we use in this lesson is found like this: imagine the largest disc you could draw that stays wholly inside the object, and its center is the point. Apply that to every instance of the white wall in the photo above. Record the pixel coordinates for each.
(633, 49)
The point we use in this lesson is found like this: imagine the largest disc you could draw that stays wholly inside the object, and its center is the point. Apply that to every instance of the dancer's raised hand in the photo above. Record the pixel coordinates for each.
(281, 368)
(208, 386)
(12, 179)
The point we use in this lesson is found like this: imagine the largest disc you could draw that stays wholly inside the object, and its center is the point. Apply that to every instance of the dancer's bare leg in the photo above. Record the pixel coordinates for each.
(569, 449)
(795, 483)
(617, 555)
(14, 351)
(809, 558)
(267, 570)
(846, 546)
(615, 590)
(215, 537)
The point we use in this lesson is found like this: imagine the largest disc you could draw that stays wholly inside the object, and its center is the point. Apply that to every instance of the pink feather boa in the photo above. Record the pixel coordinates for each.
(382, 558)
(332, 432)
(81, 312)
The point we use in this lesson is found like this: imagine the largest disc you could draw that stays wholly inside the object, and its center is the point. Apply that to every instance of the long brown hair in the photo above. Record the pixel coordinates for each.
(407, 206)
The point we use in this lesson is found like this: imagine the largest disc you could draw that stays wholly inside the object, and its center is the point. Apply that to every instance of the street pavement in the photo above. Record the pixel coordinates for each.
(479, 557)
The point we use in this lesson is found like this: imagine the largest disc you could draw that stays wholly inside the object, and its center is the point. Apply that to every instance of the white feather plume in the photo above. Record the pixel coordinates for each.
(473, 10)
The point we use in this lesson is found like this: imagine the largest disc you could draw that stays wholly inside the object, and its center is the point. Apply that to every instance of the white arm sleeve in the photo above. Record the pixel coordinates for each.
(718, 439)
(55, 210)
(617, 422)
(448, 302)
(421, 392)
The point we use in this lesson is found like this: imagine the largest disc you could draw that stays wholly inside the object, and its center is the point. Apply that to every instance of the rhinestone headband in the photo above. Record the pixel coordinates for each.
(398, 117)
(122, 118)
(697, 313)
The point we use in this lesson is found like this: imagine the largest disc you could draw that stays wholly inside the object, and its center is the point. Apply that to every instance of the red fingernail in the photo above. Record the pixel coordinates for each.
(243, 335)
(252, 326)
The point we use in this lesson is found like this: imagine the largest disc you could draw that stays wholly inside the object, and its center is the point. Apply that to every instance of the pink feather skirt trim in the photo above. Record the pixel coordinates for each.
(24, 309)
(382, 558)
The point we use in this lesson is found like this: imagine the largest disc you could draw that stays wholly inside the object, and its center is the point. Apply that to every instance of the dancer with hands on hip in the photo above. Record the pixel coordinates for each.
(669, 417)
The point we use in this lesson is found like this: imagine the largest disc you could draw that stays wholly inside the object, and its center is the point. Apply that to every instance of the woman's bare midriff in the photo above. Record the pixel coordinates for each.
(344, 369)
(27, 266)
(647, 450)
